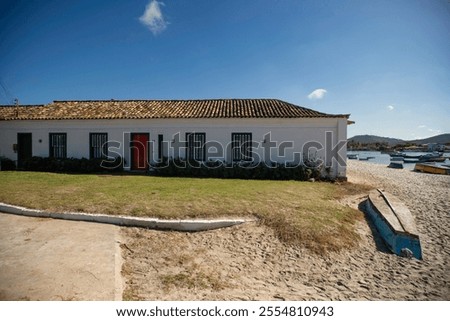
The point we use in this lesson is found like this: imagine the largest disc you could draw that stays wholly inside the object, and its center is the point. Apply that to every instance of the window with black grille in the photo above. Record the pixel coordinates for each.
(160, 147)
(58, 145)
(241, 146)
(98, 145)
(195, 146)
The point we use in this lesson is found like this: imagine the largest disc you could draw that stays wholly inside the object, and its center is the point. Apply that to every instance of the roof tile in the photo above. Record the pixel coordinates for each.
(148, 109)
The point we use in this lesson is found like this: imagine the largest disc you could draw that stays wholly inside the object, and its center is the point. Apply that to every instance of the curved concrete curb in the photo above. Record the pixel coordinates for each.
(152, 223)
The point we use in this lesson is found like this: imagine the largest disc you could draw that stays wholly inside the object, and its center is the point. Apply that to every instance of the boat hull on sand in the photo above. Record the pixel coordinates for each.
(432, 168)
(395, 223)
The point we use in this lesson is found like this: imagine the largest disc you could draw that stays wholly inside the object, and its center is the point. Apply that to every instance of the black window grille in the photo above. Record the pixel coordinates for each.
(195, 146)
(160, 147)
(58, 145)
(98, 145)
(241, 146)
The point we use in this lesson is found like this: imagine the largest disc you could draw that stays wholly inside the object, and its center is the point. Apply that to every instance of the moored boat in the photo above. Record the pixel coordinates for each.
(432, 168)
(407, 156)
(420, 156)
(395, 223)
(366, 158)
(396, 154)
(404, 155)
(396, 164)
(425, 158)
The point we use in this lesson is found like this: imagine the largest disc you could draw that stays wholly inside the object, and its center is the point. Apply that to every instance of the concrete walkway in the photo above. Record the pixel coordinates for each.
(49, 259)
(186, 225)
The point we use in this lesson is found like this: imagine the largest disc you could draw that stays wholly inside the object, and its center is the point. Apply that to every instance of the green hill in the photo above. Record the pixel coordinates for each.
(372, 139)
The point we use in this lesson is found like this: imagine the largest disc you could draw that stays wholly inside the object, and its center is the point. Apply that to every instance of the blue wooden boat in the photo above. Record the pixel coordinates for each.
(395, 223)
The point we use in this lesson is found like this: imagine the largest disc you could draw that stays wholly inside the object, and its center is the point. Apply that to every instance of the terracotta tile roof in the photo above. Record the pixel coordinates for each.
(147, 109)
(12, 112)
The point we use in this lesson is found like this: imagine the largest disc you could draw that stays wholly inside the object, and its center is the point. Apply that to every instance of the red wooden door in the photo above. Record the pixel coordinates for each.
(139, 151)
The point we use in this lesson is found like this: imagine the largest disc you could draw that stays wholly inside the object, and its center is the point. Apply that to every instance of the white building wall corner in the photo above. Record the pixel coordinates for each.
(341, 172)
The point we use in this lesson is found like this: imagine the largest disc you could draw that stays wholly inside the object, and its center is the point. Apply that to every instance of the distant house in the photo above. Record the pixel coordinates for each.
(143, 132)
(434, 147)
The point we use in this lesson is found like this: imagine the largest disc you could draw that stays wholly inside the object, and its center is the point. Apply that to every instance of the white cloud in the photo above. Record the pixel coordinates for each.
(422, 126)
(390, 107)
(317, 94)
(153, 17)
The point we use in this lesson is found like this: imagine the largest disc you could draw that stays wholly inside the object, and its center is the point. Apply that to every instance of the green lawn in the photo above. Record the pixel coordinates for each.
(298, 211)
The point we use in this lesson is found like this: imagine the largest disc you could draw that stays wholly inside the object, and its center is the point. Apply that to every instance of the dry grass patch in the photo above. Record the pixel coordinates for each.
(169, 261)
(319, 223)
(299, 212)
(191, 279)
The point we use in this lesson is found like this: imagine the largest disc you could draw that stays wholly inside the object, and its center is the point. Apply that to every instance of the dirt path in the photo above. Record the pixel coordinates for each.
(47, 259)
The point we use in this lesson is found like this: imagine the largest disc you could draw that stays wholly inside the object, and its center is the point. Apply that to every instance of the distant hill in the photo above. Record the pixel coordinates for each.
(372, 139)
(439, 139)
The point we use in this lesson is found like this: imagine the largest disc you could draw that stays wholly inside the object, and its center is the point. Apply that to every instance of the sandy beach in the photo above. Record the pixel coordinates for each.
(248, 262)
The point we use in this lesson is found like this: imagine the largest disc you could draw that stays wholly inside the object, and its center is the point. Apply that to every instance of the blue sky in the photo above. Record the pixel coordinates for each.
(387, 63)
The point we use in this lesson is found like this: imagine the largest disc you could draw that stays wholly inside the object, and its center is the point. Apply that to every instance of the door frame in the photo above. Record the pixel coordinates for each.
(20, 159)
(147, 148)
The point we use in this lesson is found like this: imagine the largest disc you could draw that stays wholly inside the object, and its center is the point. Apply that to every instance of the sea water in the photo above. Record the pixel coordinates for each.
(385, 159)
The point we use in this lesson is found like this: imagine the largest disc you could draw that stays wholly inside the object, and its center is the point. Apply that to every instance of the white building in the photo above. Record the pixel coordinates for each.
(144, 131)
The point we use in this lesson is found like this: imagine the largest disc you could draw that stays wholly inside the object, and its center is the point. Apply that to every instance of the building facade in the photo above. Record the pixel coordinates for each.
(143, 132)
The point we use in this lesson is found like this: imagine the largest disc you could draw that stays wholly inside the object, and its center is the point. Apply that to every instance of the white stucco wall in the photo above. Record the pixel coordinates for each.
(298, 131)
